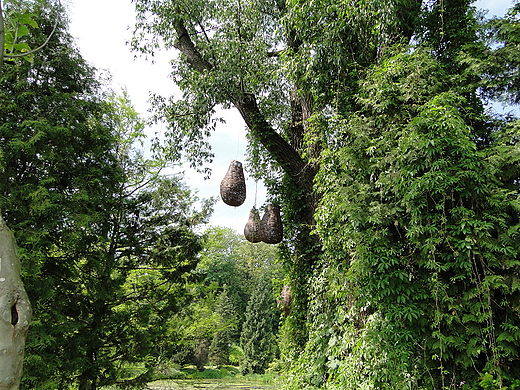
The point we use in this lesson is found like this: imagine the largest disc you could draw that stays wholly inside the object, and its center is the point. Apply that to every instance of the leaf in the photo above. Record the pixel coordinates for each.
(22, 31)
(29, 58)
(28, 20)
(22, 47)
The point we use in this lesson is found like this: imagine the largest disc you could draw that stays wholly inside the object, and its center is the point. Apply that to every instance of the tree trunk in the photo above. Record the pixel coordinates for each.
(15, 312)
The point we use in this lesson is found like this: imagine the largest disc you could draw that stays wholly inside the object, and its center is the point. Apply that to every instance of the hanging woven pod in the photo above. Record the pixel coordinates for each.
(254, 231)
(272, 224)
(233, 186)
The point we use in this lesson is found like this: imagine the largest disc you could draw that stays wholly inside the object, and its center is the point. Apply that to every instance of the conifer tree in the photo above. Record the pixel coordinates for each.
(258, 338)
(223, 337)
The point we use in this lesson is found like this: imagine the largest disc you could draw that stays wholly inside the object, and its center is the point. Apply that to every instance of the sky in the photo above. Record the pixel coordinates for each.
(102, 29)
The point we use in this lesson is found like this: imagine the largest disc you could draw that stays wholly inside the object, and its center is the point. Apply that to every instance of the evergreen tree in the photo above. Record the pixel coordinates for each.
(258, 339)
(106, 241)
(225, 334)
(399, 191)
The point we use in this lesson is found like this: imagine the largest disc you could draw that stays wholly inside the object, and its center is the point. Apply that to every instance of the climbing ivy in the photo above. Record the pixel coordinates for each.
(421, 279)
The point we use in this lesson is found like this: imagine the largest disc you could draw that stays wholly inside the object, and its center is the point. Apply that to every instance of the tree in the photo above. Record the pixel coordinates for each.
(129, 260)
(258, 337)
(15, 304)
(223, 337)
(228, 269)
(399, 192)
(106, 239)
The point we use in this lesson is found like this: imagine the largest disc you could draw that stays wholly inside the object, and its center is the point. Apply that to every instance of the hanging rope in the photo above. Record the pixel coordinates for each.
(256, 190)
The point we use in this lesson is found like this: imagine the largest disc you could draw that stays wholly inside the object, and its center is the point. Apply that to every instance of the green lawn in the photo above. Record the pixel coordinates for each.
(221, 384)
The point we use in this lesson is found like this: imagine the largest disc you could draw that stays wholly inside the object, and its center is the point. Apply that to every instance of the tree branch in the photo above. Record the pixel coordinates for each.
(187, 47)
(18, 55)
(38, 48)
(278, 147)
(286, 155)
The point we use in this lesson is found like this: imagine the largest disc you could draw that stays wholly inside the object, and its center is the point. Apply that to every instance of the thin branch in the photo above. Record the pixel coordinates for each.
(38, 48)
(275, 53)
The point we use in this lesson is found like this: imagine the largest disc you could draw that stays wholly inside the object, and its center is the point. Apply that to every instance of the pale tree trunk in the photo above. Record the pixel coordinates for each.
(15, 312)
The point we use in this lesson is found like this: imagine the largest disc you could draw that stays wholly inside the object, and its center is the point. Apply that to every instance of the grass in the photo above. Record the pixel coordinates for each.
(175, 377)
(222, 378)
(221, 384)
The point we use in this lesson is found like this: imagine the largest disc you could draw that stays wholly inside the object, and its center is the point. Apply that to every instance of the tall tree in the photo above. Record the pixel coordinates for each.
(223, 337)
(368, 119)
(105, 239)
(15, 305)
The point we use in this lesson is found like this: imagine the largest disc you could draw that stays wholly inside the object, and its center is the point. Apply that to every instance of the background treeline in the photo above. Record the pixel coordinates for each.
(232, 316)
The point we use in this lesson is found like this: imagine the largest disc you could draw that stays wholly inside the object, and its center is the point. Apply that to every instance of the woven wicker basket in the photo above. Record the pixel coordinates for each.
(254, 231)
(272, 224)
(233, 186)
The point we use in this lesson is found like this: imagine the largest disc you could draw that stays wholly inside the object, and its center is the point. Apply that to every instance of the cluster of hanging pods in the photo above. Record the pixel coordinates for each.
(267, 229)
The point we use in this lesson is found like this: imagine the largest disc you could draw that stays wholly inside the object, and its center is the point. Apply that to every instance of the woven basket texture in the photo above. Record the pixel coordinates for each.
(233, 186)
(254, 231)
(272, 224)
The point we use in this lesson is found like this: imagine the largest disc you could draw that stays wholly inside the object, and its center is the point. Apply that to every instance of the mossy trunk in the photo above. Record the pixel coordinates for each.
(15, 312)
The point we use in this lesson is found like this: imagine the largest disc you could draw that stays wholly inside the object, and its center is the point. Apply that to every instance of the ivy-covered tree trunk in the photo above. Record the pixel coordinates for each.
(15, 312)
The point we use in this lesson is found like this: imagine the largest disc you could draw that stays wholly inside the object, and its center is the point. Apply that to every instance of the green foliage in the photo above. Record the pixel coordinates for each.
(258, 337)
(493, 61)
(17, 27)
(236, 355)
(18, 22)
(219, 350)
(420, 235)
(447, 27)
(106, 241)
(207, 331)
(338, 40)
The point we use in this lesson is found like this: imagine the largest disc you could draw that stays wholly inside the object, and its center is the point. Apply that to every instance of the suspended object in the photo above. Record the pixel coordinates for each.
(254, 230)
(272, 224)
(233, 186)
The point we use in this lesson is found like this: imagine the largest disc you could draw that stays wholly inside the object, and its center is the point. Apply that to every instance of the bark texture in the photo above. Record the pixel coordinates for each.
(15, 312)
